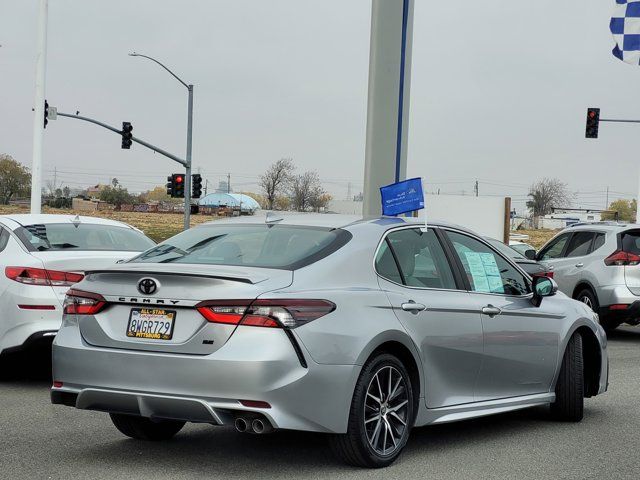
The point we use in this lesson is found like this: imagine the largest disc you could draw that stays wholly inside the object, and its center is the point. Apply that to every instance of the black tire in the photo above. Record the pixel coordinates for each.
(354, 447)
(569, 404)
(142, 428)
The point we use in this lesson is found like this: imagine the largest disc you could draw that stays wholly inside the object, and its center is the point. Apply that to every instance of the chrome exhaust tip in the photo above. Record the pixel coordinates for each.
(241, 424)
(260, 426)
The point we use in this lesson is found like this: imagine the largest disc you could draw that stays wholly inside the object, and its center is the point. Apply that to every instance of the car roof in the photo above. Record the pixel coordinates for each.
(601, 227)
(15, 221)
(328, 220)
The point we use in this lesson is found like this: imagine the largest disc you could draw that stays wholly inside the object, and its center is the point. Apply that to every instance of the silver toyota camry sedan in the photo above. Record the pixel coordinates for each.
(358, 328)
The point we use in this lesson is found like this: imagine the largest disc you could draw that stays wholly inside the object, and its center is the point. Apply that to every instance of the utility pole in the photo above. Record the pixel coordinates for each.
(38, 116)
(606, 207)
(206, 186)
(477, 188)
(228, 183)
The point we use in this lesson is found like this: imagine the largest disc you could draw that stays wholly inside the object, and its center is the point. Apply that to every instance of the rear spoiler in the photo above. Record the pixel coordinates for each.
(155, 273)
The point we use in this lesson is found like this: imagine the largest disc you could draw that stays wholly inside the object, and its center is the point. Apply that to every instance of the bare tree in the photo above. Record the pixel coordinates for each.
(305, 191)
(547, 194)
(275, 180)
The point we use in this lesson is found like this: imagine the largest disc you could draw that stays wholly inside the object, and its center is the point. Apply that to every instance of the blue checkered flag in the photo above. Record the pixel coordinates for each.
(625, 26)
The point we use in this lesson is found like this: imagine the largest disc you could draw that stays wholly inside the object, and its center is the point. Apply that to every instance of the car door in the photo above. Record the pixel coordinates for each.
(574, 259)
(552, 256)
(520, 341)
(428, 298)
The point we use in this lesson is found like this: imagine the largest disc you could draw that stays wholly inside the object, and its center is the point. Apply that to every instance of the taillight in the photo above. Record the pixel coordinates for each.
(40, 276)
(620, 257)
(289, 313)
(78, 302)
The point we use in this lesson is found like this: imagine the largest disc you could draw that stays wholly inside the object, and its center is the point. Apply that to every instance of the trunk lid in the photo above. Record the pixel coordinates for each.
(179, 288)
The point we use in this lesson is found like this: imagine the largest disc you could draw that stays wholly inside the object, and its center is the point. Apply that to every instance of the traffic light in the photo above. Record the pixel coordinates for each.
(170, 187)
(127, 135)
(593, 122)
(175, 185)
(178, 185)
(196, 182)
(46, 113)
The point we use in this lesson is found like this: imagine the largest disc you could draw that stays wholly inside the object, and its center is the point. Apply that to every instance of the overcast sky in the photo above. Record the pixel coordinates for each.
(499, 91)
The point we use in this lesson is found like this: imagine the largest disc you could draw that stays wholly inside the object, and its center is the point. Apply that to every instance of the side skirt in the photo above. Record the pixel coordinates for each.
(430, 416)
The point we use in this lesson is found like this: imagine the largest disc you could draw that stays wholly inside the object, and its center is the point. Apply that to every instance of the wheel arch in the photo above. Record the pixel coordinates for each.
(582, 284)
(406, 352)
(591, 356)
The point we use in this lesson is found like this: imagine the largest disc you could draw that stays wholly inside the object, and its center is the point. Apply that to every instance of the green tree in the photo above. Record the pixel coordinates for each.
(626, 210)
(117, 196)
(15, 179)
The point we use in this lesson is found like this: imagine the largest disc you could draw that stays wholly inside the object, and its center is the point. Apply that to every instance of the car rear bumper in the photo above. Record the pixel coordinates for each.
(618, 303)
(255, 364)
(25, 322)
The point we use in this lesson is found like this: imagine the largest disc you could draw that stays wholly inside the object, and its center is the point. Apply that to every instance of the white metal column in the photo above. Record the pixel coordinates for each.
(38, 118)
(388, 102)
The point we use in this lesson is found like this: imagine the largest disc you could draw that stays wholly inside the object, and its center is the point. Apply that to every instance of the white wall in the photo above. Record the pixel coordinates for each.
(484, 215)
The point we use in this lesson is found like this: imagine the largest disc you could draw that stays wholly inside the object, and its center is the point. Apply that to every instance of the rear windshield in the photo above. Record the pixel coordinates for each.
(270, 246)
(82, 237)
(506, 250)
(631, 241)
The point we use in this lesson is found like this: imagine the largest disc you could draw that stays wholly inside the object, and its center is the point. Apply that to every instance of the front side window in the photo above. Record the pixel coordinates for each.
(418, 258)
(486, 270)
(555, 248)
(82, 237)
(286, 247)
(580, 244)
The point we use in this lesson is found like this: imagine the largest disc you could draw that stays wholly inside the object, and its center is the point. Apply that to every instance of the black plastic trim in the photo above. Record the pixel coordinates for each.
(34, 339)
(296, 347)
(59, 397)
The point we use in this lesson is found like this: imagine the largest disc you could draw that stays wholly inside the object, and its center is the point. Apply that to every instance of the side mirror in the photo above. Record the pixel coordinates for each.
(530, 254)
(543, 287)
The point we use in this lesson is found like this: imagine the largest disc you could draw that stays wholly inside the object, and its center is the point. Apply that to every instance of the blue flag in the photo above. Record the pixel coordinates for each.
(625, 27)
(402, 197)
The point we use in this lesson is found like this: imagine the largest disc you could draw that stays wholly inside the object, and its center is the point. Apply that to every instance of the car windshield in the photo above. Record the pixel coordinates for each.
(270, 246)
(506, 250)
(82, 236)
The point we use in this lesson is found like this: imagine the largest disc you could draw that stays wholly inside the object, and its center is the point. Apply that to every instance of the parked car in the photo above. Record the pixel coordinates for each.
(41, 256)
(533, 268)
(599, 264)
(523, 249)
(324, 323)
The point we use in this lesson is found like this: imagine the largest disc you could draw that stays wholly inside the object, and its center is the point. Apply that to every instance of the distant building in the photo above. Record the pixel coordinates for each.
(565, 218)
(236, 201)
(94, 192)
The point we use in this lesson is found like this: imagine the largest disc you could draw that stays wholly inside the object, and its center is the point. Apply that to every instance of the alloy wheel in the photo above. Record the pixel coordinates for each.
(386, 410)
(587, 301)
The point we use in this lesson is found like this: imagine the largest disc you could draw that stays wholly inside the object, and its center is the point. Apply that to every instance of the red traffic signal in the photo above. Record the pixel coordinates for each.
(179, 179)
(593, 122)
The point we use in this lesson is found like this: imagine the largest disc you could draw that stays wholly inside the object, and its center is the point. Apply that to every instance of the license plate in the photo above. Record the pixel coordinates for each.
(151, 323)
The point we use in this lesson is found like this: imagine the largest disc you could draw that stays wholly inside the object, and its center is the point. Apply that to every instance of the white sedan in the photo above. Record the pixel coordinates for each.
(41, 256)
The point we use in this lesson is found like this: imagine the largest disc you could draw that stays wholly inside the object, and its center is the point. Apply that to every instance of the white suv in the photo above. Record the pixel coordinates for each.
(599, 264)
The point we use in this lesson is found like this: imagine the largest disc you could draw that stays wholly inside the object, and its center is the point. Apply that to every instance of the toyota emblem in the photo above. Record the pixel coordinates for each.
(147, 286)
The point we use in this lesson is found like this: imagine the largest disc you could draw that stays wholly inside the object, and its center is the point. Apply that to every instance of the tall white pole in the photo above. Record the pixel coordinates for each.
(388, 101)
(38, 119)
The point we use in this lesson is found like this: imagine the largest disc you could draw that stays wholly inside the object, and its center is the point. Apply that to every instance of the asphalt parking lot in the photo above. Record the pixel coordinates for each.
(42, 441)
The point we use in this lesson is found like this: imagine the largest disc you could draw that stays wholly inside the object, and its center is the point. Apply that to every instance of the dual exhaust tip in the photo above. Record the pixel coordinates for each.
(249, 424)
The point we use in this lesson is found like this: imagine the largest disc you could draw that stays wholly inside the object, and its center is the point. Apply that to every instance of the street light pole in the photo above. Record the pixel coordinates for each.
(187, 184)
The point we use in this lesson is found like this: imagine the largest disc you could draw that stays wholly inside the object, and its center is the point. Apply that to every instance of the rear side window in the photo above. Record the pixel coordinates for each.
(82, 237)
(419, 259)
(555, 248)
(4, 238)
(286, 247)
(580, 244)
(631, 241)
(598, 241)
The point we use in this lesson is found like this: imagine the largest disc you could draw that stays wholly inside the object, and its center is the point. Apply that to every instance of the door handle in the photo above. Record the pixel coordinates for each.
(580, 265)
(413, 307)
(491, 310)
